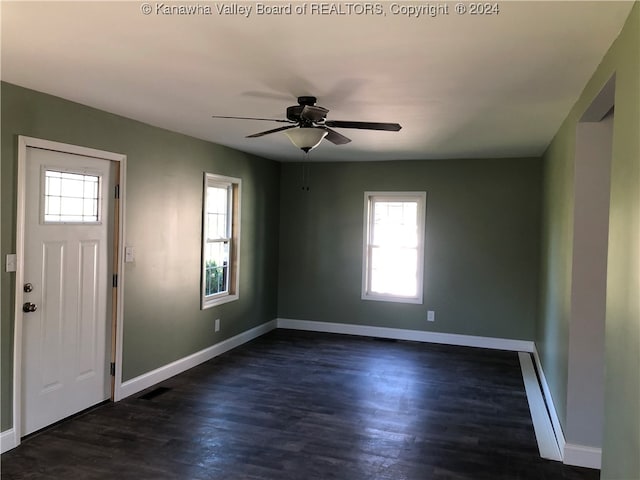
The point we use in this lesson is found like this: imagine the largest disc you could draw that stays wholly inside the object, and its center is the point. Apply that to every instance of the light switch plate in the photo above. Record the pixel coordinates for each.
(129, 255)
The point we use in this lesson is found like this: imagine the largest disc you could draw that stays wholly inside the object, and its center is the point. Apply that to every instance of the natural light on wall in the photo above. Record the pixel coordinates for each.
(393, 246)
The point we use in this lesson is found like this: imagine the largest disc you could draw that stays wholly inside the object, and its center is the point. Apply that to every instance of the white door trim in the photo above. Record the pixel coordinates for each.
(23, 144)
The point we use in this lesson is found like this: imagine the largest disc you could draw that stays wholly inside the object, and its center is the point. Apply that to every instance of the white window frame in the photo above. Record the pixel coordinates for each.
(234, 186)
(369, 198)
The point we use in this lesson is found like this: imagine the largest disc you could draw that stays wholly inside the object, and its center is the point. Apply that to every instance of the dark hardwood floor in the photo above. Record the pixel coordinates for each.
(309, 406)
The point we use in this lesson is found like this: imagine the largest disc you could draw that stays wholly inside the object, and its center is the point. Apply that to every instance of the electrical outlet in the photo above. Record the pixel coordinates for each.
(217, 325)
(431, 316)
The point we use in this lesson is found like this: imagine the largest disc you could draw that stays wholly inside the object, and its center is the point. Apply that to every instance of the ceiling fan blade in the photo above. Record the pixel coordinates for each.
(253, 118)
(389, 127)
(275, 130)
(335, 137)
(314, 113)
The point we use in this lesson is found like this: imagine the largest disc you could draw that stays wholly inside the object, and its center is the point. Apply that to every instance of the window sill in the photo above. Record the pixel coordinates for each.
(392, 298)
(214, 302)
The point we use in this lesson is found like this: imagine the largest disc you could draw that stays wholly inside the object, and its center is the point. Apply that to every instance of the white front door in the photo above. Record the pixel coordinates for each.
(68, 277)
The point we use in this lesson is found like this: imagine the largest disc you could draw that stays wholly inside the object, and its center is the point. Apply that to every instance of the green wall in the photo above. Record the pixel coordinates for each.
(552, 336)
(162, 318)
(622, 398)
(481, 244)
(621, 441)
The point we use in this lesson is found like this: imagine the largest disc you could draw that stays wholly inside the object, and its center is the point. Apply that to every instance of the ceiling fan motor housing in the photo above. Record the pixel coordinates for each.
(294, 111)
(307, 100)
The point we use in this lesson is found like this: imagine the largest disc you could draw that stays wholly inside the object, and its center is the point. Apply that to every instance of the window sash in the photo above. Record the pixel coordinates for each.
(399, 253)
(217, 275)
(221, 230)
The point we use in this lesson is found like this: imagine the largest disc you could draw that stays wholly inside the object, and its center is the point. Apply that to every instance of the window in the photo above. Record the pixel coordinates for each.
(70, 197)
(220, 240)
(393, 246)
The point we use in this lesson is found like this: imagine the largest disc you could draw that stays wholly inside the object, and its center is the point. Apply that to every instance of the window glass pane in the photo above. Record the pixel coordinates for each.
(216, 226)
(71, 197)
(91, 187)
(53, 186)
(216, 267)
(90, 207)
(52, 205)
(73, 188)
(217, 212)
(394, 271)
(71, 206)
(395, 223)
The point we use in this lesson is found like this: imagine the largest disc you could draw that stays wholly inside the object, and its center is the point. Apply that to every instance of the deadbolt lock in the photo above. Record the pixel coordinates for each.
(28, 287)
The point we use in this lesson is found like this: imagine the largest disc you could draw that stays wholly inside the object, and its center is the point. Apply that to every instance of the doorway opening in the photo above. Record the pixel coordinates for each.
(585, 382)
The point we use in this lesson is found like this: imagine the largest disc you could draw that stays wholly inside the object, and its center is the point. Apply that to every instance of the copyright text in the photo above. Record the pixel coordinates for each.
(413, 9)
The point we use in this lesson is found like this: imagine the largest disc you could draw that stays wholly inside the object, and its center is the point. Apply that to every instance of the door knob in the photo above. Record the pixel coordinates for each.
(29, 307)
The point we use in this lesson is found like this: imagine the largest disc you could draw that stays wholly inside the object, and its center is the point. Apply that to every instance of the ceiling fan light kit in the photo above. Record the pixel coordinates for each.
(306, 138)
(308, 125)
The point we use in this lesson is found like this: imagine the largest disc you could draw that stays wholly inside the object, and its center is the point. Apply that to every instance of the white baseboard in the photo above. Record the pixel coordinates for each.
(412, 335)
(8, 440)
(583, 456)
(137, 384)
(553, 414)
(545, 436)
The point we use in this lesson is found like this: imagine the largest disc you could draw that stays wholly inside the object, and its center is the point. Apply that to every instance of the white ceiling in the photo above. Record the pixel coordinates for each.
(460, 85)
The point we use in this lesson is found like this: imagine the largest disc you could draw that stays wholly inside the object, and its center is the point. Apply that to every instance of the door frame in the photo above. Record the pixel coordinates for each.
(118, 232)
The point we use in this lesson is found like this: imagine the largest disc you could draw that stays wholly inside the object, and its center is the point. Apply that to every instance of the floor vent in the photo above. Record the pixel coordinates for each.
(150, 395)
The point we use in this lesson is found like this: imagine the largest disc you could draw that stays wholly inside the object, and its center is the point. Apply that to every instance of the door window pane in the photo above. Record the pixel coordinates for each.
(71, 197)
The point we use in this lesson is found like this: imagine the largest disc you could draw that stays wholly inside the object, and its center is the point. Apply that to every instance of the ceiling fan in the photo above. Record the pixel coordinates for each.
(308, 125)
